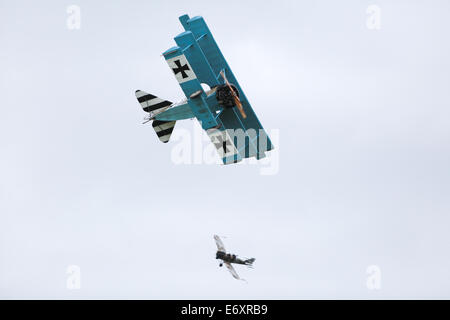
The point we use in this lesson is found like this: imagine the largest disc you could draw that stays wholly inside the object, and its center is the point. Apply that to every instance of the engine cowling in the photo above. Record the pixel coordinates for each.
(224, 95)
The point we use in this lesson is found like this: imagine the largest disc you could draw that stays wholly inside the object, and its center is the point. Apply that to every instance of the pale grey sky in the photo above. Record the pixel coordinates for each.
(364, 124)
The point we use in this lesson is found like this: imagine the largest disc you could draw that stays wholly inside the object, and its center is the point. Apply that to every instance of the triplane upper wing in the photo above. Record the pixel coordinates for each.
(235, 132)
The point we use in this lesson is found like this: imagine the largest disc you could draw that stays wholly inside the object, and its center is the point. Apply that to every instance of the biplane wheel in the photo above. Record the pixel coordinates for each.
(220, 264)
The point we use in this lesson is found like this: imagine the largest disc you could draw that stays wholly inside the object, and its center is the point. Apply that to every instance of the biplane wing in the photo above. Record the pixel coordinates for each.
(232, 271)
(219, 244)
(195, 60)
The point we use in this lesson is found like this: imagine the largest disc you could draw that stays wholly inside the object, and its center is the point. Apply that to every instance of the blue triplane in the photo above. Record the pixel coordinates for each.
(223, 110)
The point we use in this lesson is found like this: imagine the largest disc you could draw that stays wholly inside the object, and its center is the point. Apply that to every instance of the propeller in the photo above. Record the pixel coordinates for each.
(237, 102)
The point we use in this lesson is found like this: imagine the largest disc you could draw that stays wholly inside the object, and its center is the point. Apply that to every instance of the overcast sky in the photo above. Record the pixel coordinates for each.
(360, 107)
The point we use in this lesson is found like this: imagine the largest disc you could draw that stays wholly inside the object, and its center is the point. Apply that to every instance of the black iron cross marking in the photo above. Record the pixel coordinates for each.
(181, 69)
(222, 143)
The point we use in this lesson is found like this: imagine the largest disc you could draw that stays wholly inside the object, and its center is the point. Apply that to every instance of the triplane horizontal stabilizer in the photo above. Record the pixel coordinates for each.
(223, 111)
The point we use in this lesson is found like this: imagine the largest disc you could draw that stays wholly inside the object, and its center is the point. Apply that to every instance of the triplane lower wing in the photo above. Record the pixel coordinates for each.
(224, 111)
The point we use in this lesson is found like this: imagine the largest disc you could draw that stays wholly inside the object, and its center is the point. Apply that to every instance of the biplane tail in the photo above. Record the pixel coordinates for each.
(250, 261)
